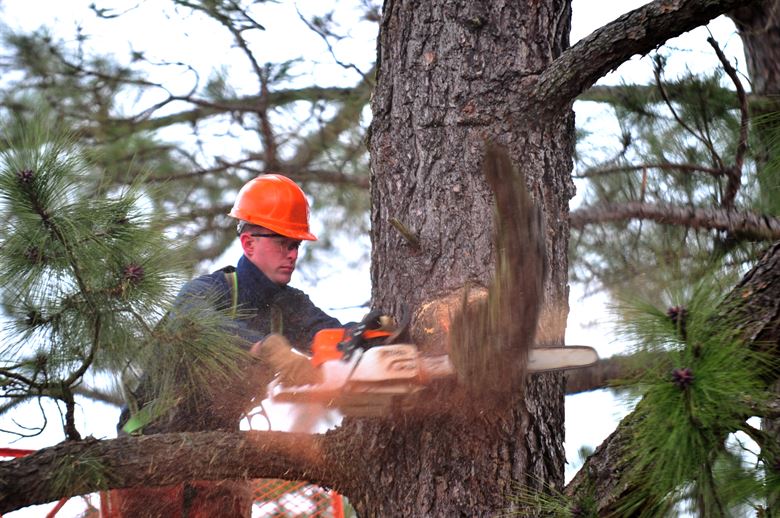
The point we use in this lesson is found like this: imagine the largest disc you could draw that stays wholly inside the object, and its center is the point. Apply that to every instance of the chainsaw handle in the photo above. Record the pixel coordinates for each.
(325, 346)
(340, 343)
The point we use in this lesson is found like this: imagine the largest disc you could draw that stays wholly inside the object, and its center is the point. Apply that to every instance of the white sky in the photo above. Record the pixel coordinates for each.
(589, 417)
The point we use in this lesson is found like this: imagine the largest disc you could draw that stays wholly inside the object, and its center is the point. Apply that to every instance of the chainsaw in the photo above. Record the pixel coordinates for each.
(365, 373)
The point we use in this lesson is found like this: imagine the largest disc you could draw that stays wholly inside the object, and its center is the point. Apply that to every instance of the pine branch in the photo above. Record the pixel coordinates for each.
(636, 32)
(702, 137)
(162, 459)
(622, 95)
(267, 134)
(235, 27)
(757, 300)
(740, 223)
(8, 373)
(204, 109)
(324, 34)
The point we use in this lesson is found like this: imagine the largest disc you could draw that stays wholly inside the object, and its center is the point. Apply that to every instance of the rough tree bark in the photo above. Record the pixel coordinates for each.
(451, 75)
(759, 28)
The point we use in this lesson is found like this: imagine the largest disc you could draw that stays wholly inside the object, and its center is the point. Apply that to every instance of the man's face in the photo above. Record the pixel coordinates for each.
(273, 254)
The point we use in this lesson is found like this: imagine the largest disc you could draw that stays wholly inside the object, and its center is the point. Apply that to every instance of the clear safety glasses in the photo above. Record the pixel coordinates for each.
(285, 243)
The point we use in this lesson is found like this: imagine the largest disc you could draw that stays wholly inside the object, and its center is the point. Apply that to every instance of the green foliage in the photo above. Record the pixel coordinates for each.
(86, 277)
(79, 475)
(548, 502)
(190, 355)
(196, 133)
(706, 388)
(79, 265)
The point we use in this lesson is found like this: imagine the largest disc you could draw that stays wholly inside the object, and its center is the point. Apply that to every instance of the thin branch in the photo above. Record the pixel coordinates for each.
(221, 168)
(741, 223)
(266, 129)
(685, 168)
(324, 35)
(735, 173)
(758, 436)
(38, 430)
(706, 141)
(212, 11)
(18, 377)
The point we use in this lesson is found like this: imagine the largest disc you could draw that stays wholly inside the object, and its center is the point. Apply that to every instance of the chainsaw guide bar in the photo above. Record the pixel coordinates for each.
(375, 380)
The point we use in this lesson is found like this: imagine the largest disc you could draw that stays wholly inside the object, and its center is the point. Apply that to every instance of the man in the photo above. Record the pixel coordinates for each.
(273, 220)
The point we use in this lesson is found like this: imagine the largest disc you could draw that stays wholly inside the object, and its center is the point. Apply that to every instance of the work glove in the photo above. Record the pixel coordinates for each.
(293, 368)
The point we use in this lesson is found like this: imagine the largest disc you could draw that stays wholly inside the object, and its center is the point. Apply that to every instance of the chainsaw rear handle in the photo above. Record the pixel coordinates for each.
(340, 343)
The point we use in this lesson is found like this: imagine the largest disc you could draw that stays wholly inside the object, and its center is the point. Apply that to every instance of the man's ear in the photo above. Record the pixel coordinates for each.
(248, 244)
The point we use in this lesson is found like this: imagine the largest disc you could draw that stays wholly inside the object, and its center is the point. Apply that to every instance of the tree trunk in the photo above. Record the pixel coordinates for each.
(451, 76)
(758, 25)
(759, 28)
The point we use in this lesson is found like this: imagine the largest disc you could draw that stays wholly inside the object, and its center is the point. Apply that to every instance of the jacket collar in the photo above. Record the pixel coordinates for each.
(255, 290)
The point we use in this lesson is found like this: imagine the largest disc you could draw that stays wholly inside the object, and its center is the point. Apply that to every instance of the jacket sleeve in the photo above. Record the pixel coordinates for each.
(301, 319)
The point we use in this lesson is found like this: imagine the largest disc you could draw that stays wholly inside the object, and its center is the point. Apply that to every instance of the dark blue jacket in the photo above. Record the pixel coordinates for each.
(258, 298)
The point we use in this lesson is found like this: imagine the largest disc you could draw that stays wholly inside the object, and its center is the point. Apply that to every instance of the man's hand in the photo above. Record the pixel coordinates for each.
(294, 368)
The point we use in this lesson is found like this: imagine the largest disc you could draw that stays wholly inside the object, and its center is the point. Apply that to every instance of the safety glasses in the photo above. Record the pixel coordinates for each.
(285, 243)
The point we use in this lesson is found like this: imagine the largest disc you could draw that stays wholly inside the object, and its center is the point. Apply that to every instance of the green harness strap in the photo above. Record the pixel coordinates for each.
(149, 413)
(145, 416)
(232, 282)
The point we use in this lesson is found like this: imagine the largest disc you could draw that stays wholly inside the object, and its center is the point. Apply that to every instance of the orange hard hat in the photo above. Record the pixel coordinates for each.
(275, 202)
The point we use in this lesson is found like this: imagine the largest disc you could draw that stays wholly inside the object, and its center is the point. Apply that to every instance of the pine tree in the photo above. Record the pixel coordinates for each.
(197, 136)
(87, 283)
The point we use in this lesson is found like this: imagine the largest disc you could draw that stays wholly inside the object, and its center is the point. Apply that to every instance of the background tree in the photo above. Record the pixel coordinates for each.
(198, 135)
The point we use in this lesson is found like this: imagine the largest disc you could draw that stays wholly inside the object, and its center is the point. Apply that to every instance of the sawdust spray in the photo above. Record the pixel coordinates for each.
(490, 336)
